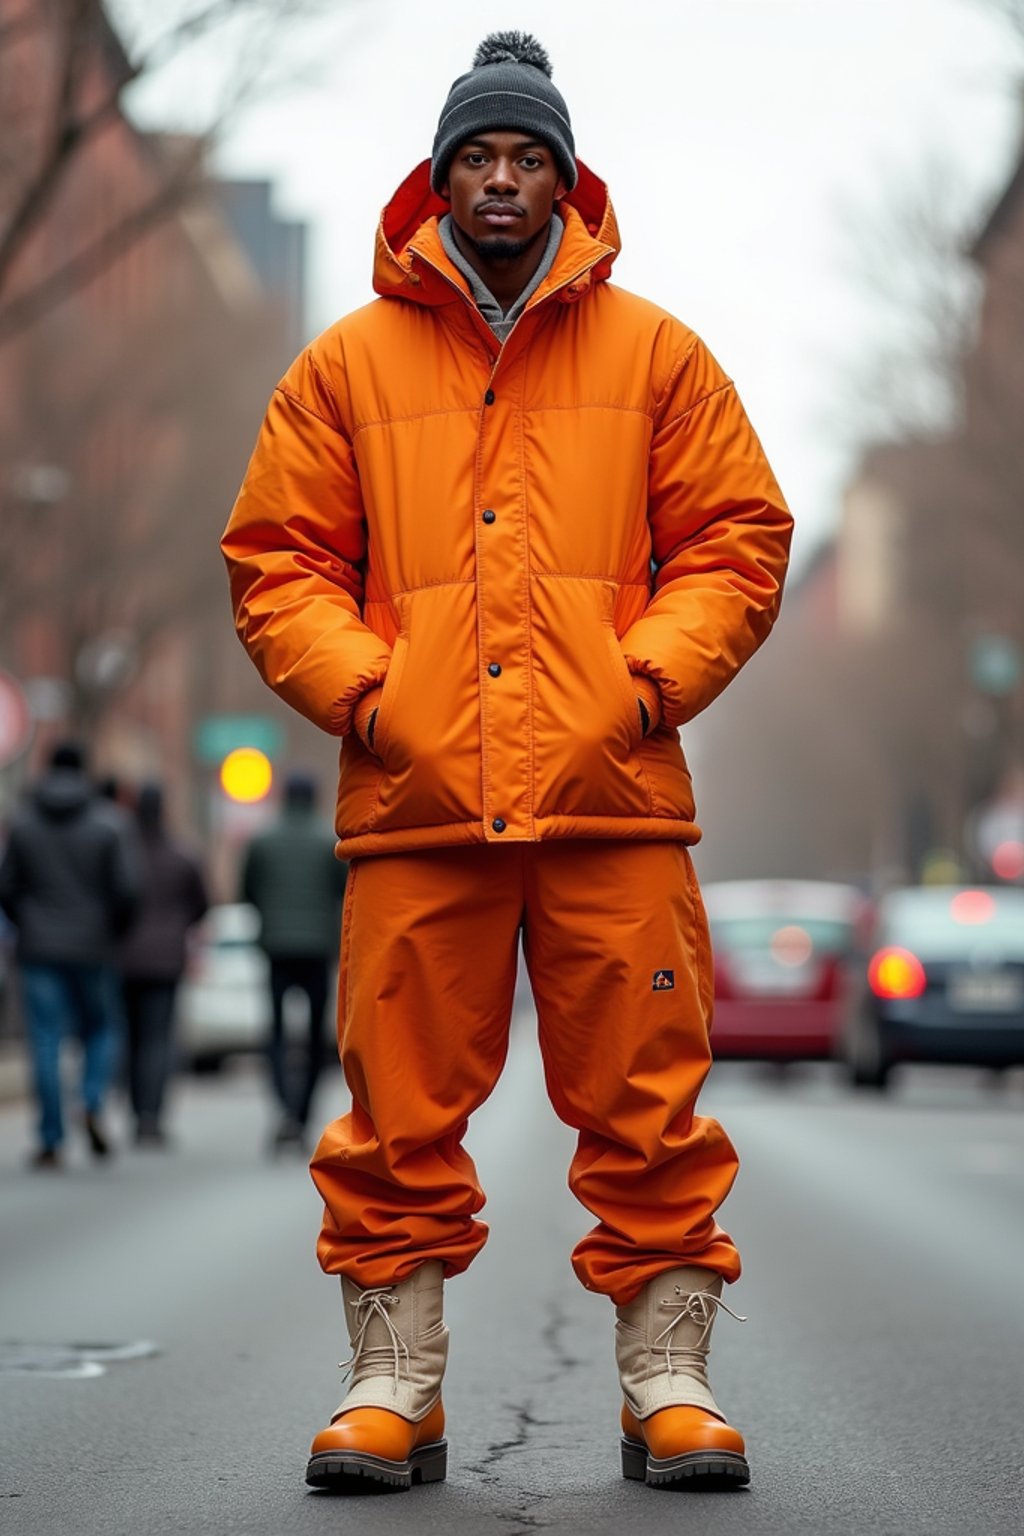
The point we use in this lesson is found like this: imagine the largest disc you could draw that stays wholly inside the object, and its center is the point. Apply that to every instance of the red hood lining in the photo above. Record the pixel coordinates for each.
(416, 201)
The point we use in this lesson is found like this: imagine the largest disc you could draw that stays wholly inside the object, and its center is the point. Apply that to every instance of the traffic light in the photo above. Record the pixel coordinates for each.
(246, 775)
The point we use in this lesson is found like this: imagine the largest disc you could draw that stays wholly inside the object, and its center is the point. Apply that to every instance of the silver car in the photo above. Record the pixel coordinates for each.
(224, 1000)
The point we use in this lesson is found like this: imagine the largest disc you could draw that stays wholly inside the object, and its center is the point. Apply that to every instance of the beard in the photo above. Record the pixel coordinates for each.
(500, 248)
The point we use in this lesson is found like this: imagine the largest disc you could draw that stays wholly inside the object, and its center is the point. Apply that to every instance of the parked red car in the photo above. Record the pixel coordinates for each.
(781, 949)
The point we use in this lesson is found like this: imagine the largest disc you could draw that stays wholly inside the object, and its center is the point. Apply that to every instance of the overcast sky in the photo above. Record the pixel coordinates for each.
(736, 137)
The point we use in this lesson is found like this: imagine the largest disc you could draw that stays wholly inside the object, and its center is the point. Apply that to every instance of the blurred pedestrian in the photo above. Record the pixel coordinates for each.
(69, 881)
(110, 788)
(151, 959)
(505, 530)
(294, 880)
(7, 938)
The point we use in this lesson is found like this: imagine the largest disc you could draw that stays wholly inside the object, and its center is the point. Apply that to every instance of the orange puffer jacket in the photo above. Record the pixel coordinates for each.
(502, 547)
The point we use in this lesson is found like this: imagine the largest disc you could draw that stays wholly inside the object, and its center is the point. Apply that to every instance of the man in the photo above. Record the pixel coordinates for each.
(151, 961)
(506, 529)
(293, 879)
(69, 881)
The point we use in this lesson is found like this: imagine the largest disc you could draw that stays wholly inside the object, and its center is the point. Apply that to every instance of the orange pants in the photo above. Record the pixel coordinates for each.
(617, 950)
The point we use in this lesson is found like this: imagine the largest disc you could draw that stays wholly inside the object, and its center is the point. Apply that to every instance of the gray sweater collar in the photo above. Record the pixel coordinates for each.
(500, 321)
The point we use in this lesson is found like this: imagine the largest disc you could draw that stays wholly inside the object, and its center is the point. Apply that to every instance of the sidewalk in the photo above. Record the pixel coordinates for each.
(13, 1071)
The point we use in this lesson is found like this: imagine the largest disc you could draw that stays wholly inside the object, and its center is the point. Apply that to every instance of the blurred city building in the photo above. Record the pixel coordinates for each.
(276, 248)
(144, 320)
(886, 716)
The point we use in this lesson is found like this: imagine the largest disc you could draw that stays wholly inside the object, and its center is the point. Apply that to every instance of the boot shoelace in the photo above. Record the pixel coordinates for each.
(696, 1307)
(369, 1305)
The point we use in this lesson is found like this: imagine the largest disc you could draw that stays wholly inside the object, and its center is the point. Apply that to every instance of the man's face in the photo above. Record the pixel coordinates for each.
(503, 188)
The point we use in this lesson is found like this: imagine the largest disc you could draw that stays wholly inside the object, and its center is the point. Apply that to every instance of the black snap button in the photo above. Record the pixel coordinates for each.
(489, 516)
(494, 669)
(498, 824)
(489, 397)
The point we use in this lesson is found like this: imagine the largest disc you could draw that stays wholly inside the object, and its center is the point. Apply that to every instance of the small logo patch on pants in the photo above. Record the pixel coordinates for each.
(664, 981)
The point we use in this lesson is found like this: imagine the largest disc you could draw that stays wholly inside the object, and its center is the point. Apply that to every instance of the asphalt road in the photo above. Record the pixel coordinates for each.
(879, 1380)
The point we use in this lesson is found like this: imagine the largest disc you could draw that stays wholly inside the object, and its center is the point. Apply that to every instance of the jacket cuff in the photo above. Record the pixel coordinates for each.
(647, 689)
(362, 712)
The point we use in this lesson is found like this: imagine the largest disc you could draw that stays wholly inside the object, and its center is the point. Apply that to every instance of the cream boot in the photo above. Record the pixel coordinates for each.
(390, 1425)
(673, 1430)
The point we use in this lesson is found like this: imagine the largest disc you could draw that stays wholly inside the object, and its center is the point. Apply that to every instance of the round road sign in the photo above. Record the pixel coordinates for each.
(15, 720)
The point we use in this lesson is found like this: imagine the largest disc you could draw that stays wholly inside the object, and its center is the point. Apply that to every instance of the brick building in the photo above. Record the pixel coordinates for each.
(129, 401)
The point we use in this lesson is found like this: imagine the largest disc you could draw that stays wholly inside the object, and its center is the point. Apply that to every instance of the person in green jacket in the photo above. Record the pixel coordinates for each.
(293, 879)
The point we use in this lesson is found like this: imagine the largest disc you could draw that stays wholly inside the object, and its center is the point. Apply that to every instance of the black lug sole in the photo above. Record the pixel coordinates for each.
(361, 1472)
(699, 1471)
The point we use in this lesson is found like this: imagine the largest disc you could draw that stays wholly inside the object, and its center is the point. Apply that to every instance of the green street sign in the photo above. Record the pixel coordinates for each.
(218, 735)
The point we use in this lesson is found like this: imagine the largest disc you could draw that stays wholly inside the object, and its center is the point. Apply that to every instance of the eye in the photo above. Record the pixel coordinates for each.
(531, 162)
(476, 157)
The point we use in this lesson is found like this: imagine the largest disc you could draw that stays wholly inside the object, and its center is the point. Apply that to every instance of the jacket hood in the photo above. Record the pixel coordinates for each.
(409, 259)
(62, 793)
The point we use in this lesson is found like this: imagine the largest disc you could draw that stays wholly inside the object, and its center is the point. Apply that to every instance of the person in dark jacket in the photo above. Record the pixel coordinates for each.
(152, 959)
(69, 881)
(293, 879)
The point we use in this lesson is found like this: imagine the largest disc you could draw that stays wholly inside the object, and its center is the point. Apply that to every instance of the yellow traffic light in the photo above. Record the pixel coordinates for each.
(246, 775)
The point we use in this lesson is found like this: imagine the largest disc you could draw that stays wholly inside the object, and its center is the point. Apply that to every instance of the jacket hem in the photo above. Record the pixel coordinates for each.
(450, 834)
(663, 829)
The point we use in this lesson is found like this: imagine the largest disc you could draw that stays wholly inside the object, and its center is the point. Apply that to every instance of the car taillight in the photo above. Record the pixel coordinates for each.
(791, 946)
(896, 973)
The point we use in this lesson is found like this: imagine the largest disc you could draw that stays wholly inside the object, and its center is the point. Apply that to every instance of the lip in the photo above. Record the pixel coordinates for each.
(499, 213)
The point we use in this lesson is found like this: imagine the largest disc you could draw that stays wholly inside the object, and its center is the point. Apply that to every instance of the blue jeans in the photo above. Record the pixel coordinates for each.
(79, 1000)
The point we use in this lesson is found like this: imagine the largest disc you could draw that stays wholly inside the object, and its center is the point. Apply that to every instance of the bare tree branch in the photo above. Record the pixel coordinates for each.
(28, 307)
(908, 254)
(69, 133)
(73, 128)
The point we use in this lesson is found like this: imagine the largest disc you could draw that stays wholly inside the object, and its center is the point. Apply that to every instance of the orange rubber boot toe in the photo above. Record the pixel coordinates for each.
(374, 1444)
(682, 1446)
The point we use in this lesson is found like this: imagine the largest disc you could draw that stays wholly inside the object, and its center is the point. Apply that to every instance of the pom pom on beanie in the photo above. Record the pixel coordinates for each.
(512, 48)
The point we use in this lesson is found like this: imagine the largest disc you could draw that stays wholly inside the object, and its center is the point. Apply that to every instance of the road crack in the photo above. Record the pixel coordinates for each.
(556, 1362)
(552, 1338)
(501, 1450)
(522, 1521)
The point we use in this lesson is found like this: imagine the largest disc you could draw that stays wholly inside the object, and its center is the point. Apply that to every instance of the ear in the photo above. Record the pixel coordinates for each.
(560, 190)
(446, 192)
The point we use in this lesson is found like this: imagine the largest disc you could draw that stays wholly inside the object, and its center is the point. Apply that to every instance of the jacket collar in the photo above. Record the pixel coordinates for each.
(411, 263)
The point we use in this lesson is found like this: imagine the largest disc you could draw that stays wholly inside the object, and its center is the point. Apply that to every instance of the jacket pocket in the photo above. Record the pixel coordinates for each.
(362, 770)
(428, 729)
(667, 775)
(586, 720)
(629, 694)
(392, 685)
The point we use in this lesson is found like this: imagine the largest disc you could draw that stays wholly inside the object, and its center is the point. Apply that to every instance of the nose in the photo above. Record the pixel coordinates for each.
(502, 180)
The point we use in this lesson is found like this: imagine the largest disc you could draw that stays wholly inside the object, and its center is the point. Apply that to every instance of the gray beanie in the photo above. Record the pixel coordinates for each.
(509, 86)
